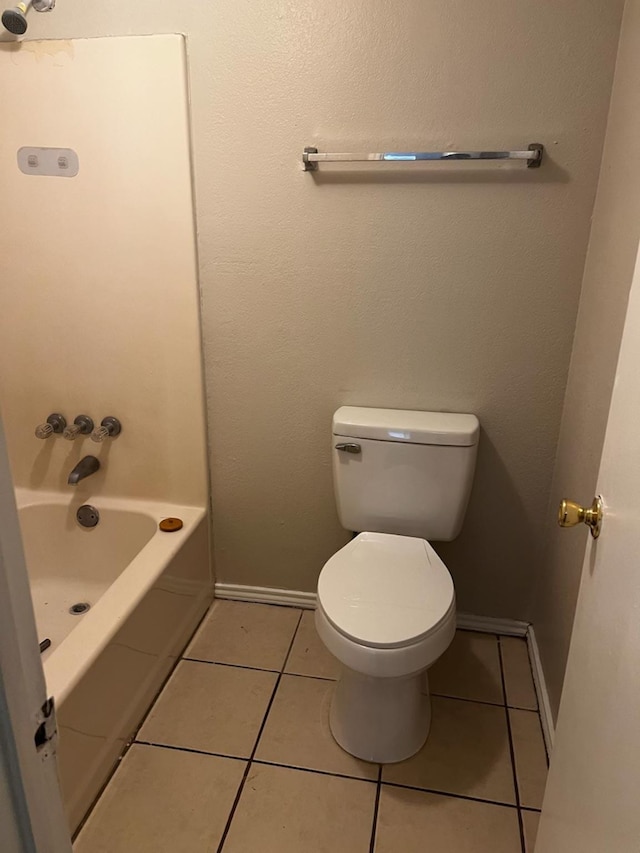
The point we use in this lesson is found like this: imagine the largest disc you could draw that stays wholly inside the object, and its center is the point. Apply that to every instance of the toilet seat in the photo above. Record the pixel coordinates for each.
(385, 591)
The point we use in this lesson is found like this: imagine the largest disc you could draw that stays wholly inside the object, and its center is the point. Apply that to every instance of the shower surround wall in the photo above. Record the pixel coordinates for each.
(100, 307)
(100, 316)
(432, 287)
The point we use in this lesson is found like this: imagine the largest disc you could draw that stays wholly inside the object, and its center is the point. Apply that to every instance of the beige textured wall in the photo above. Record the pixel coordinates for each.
(100, 302)
(443, 287)
(608, 273)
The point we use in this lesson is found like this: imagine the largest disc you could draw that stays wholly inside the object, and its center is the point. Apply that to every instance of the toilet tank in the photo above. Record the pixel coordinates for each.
(403, 472)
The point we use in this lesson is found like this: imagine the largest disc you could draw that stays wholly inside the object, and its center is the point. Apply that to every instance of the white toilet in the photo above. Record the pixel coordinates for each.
(386, 602)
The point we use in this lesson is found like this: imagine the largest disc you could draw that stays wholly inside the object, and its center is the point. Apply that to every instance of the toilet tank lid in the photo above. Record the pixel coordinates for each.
(444, 428)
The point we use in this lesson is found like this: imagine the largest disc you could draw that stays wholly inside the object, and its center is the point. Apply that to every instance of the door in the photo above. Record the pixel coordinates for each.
(591, 802)
(31, 815)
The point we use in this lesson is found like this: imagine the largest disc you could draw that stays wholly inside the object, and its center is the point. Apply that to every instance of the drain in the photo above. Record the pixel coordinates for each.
(88, 516)
(79, 609)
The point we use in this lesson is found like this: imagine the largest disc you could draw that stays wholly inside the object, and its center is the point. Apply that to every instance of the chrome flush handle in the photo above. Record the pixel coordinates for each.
(349, 447)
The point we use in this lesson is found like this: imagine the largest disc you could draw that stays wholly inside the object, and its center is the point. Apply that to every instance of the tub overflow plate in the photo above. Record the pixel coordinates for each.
(88, 516)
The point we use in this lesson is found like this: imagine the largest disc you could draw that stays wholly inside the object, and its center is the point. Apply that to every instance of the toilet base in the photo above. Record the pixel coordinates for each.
(383, 720)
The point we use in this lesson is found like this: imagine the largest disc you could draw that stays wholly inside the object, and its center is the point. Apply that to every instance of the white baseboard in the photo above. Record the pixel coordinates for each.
(266, 595)
(492, 625)
(548, 727)
(296, 598)
(466, 621)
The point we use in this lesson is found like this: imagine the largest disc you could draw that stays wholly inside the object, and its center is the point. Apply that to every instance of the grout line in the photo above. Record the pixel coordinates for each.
(334, 680)
(236, 800)
(539, 718)
(233, 665)
(260, 761)
(291, 644)
(533, 680)
(190, 750)
(326, 678)
(450, 794)
(376, 806)
(257, 741)
(512, 751)
(264, 763)
(314, 677)
(535, 692)
(475, 701)
(479, 701)
(466, 699)
(259, 669)
(522, 708)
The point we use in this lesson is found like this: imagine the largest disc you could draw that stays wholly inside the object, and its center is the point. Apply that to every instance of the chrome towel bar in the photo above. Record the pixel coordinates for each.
(533, 155)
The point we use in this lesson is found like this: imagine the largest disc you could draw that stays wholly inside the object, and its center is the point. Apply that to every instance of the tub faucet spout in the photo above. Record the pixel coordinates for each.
(85, 467)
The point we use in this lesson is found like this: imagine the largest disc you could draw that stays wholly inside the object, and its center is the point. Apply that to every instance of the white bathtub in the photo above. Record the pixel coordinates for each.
(147, 590)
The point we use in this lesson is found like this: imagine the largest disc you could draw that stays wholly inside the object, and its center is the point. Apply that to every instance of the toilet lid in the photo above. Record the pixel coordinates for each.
(385, 591)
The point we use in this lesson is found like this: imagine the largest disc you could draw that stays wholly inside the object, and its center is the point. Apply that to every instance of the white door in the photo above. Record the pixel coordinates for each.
(31, 816)
(592, 800)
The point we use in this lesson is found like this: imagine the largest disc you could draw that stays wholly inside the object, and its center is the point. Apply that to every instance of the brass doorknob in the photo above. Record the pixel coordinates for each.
(570, 514)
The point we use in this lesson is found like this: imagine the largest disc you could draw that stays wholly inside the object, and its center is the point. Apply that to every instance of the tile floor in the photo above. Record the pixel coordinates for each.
(236, 754)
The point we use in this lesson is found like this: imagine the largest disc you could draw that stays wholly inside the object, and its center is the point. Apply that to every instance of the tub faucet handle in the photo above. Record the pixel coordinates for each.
(109, 428)
(82, 425)
(54, 424)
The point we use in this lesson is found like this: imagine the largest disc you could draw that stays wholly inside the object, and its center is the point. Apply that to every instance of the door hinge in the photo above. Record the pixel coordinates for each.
(46, 736)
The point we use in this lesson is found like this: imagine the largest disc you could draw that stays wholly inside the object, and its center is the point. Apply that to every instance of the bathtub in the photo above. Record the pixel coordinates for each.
(147, 591)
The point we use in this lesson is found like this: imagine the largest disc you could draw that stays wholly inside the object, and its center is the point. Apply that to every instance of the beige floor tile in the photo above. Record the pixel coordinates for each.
(297, 730)
(417, 822)
(292, 811)
(163, 801)
(470, 669)
(309, 655)
(530, 822)
(210, 707)
(518, 678)
(530, 757)
(467, 752)
(245, 634)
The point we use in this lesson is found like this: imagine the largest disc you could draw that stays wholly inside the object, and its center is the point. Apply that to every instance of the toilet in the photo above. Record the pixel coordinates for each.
(386, 603)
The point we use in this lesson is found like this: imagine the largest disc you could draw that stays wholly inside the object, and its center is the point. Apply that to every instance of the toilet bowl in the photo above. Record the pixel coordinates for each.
(386, 611)
(386, 603)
